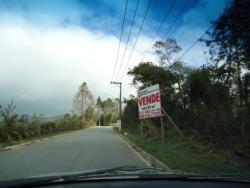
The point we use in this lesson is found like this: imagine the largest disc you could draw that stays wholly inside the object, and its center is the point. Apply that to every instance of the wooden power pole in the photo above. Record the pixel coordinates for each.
(120, 106)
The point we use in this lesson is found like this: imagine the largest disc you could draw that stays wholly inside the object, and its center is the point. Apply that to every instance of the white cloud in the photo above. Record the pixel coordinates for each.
(41, 68)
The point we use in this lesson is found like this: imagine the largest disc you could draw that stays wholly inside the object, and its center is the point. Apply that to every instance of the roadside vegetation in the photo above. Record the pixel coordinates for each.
(187, 154)
(209, 104)
(107, 111)
(15, 128)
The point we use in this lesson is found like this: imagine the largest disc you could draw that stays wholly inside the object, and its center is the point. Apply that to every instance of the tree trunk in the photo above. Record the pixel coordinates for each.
(81, 110)
(240, 86)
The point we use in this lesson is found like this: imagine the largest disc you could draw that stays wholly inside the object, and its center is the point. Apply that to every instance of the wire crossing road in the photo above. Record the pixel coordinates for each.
(89, 149)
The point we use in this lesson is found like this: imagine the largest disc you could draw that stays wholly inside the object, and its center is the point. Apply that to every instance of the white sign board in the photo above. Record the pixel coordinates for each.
(149, 102)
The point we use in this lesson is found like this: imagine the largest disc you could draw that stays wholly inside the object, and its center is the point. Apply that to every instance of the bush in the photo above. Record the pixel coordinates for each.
(13, 128)
(4, 135)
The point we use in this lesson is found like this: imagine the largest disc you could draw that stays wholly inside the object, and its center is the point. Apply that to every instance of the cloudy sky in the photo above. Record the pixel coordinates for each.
(49, 47)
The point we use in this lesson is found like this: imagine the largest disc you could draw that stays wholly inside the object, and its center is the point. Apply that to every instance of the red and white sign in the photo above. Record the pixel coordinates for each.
(149, 102)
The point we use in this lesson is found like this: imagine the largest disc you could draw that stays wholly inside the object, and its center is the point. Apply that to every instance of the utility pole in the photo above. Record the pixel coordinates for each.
(120, 106)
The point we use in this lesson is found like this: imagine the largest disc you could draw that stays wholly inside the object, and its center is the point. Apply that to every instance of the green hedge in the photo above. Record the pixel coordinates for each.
(35, 128)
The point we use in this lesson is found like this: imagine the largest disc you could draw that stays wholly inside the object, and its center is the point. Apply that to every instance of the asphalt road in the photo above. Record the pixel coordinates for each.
(89, 149)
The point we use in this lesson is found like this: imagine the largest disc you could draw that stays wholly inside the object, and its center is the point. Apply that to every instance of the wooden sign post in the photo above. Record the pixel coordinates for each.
(149, 105)
(172, 122)
(162, 131)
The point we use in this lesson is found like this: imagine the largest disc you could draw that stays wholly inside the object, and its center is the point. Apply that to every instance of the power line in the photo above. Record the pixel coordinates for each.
(120, 38)
(176, 19)
(194, 43)
(136, 38)
(128, 38)
(174, 22)
(159, 27)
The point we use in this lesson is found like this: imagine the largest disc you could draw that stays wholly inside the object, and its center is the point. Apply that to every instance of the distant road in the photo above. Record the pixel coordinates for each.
(93, 148)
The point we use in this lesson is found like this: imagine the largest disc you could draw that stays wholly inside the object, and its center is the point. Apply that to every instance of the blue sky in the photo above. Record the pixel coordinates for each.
(106, 15)
(49, 47)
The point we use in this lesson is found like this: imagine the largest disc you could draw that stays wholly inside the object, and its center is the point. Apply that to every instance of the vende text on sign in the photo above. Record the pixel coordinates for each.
(149, 102)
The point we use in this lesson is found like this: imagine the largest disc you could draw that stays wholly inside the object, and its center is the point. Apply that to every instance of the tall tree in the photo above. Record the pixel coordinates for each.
(99, 109)
(99, 103)
(229, 43)
(83, 99)
(166, 51)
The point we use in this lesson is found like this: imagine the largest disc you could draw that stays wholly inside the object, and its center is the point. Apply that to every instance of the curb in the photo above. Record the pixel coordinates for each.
(18, 146)
(135, 152)
(22, 145)
(150, 160)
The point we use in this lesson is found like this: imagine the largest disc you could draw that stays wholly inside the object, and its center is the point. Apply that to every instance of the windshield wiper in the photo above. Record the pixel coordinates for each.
(124, 170)
(95, 174)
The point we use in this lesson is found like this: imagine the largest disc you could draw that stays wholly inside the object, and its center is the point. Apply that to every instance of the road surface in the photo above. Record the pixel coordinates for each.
(93, 148)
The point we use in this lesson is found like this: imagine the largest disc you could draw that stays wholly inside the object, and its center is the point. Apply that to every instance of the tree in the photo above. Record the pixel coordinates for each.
(8, 114)
(99, 109)
(130, 113)
(246, 87)
(166, 51)
(83, 99)
(89, 113)
(149, 74)
(99, 104)
(108, 104)
(108, 110)
(106, 118)
(229, 44)
(229, 49)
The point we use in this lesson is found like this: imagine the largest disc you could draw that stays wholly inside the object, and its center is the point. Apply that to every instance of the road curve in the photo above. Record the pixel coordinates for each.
(89, 149)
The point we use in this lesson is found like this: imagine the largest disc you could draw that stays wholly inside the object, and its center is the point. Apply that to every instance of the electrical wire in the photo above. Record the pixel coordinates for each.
(174, 22)
(124, 16)
(159, 28)
(128, 37)
(144, 17)
(194, 43)
(176, 19)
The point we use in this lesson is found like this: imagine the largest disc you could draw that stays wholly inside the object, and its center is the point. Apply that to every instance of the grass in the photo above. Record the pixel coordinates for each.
(188, 156)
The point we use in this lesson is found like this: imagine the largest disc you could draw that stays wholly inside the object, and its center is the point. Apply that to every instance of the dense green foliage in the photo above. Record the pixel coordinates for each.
(130, 113)
(209, 103)
(108, 111)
